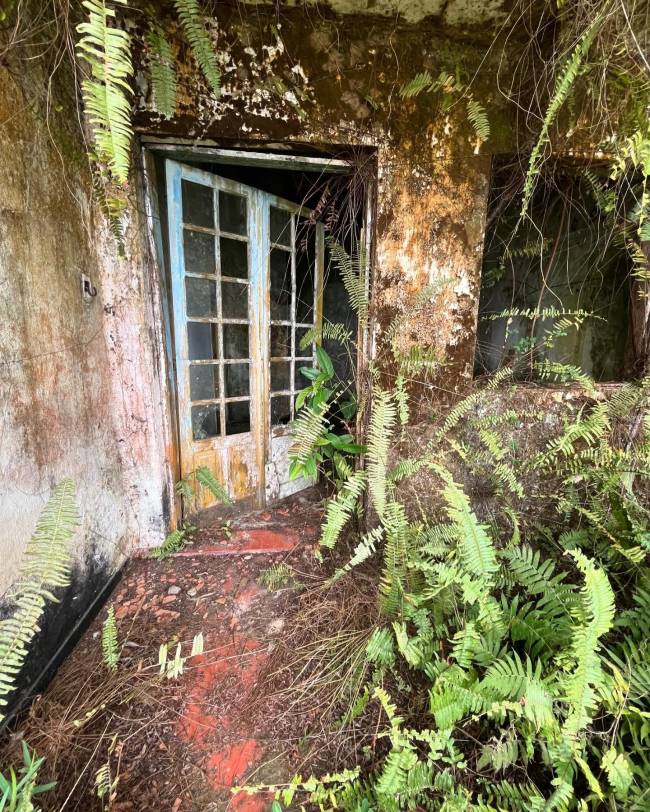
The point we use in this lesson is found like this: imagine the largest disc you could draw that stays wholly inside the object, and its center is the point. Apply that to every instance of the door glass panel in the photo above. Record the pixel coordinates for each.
(280, 265)
(238, 418)
(236, 380)
(234, 300)
(280, 373)
(280, 410)
(305, 274)
(280, 226)
(203, 340)
(204, 381)
(235, 341)
(234, 258)
(232, 213)
(205, 421)
(198, 205)
(303, 349)
(199, 252)
(300, 380)
(201, 297)
(280, 340)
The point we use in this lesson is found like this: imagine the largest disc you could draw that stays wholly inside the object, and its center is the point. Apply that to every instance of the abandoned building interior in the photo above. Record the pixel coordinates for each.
(131, 362)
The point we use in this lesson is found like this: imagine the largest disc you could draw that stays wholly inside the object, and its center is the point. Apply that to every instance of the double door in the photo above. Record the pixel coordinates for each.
(247, 279)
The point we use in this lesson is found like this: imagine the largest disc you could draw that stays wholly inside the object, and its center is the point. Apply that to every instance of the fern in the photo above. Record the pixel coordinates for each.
(353, 273)
(340, 508)
(161, 70)
(565, 81)
(110, 645)
(207, 479)
(597, 617)
(382, 420)
(174, 541)
(193, 24)
(478, 119)
(43, 569)
(106, 93)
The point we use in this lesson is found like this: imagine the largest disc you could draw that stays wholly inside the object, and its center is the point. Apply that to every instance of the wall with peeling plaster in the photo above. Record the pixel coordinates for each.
(321, 80)
(83, 384)
(80, 395)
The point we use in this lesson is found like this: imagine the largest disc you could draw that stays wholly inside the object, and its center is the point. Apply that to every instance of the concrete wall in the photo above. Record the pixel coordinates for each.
(83, 383)
(80, 395)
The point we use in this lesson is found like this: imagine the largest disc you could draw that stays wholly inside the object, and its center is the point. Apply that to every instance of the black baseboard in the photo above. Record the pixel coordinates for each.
(25, 695)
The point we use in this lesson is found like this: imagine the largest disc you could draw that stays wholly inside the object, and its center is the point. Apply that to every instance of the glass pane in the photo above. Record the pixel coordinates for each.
(236, 383)
(235, 341)
(300, 381)
(204, 381)
(305, 273)
(198, 204)
(234, 258)
(234, 300)
(238, 418)
(280, 410)
(280, 226)
(203, 340)
(280, 285)
(201, 297)
(232, 213)
(205, 421)
(302, 348)
(199, 252)
(280, 340)
(280, 372)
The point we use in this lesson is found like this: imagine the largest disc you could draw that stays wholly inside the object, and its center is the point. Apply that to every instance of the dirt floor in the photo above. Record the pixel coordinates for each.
(181, 744)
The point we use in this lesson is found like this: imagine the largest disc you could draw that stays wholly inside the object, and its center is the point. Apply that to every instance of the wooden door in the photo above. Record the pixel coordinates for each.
(247, 270)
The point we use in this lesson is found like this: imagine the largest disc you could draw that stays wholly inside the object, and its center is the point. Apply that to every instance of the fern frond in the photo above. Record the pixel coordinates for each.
(161, 71)
(340, 508)
(193, 23)
(382, 420)
(478, 119)
(565, 80)
(353, 273)
(107, 51)
(207, 479)
(45, 567)
(110, 645)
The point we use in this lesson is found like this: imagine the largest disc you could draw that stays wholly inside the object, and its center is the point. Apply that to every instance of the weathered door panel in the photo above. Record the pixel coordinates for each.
(247, 275)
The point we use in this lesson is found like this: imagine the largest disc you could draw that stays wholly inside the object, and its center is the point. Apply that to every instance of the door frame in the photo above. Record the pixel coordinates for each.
(152, 188)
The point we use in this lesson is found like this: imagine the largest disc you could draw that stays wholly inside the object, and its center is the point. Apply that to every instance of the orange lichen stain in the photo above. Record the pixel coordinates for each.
(259, 540)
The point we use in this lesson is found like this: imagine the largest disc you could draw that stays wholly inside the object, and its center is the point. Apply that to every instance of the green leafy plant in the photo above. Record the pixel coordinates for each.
(17, 790)
(44, 568)
(110, 643)
(193, 24)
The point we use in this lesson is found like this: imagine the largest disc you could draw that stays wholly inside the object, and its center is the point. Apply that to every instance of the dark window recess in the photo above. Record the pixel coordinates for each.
(305, 270)
(205, 421)
(203, 340)
(236, 380)
(199, 252)
(280, 285)
(232, 213)
(280, 410)
(198, 206)
(238, 420)
(204, 381)
(235, 341)
(234, 257)
(563, 258)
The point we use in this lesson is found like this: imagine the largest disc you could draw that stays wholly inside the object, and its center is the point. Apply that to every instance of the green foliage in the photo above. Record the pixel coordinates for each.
(161, 70)
(44, 568)
(173, 543)
(17, 789)
(110, 643)
(107, 50)
(192, 21)
(276, 576)
(563, 85)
